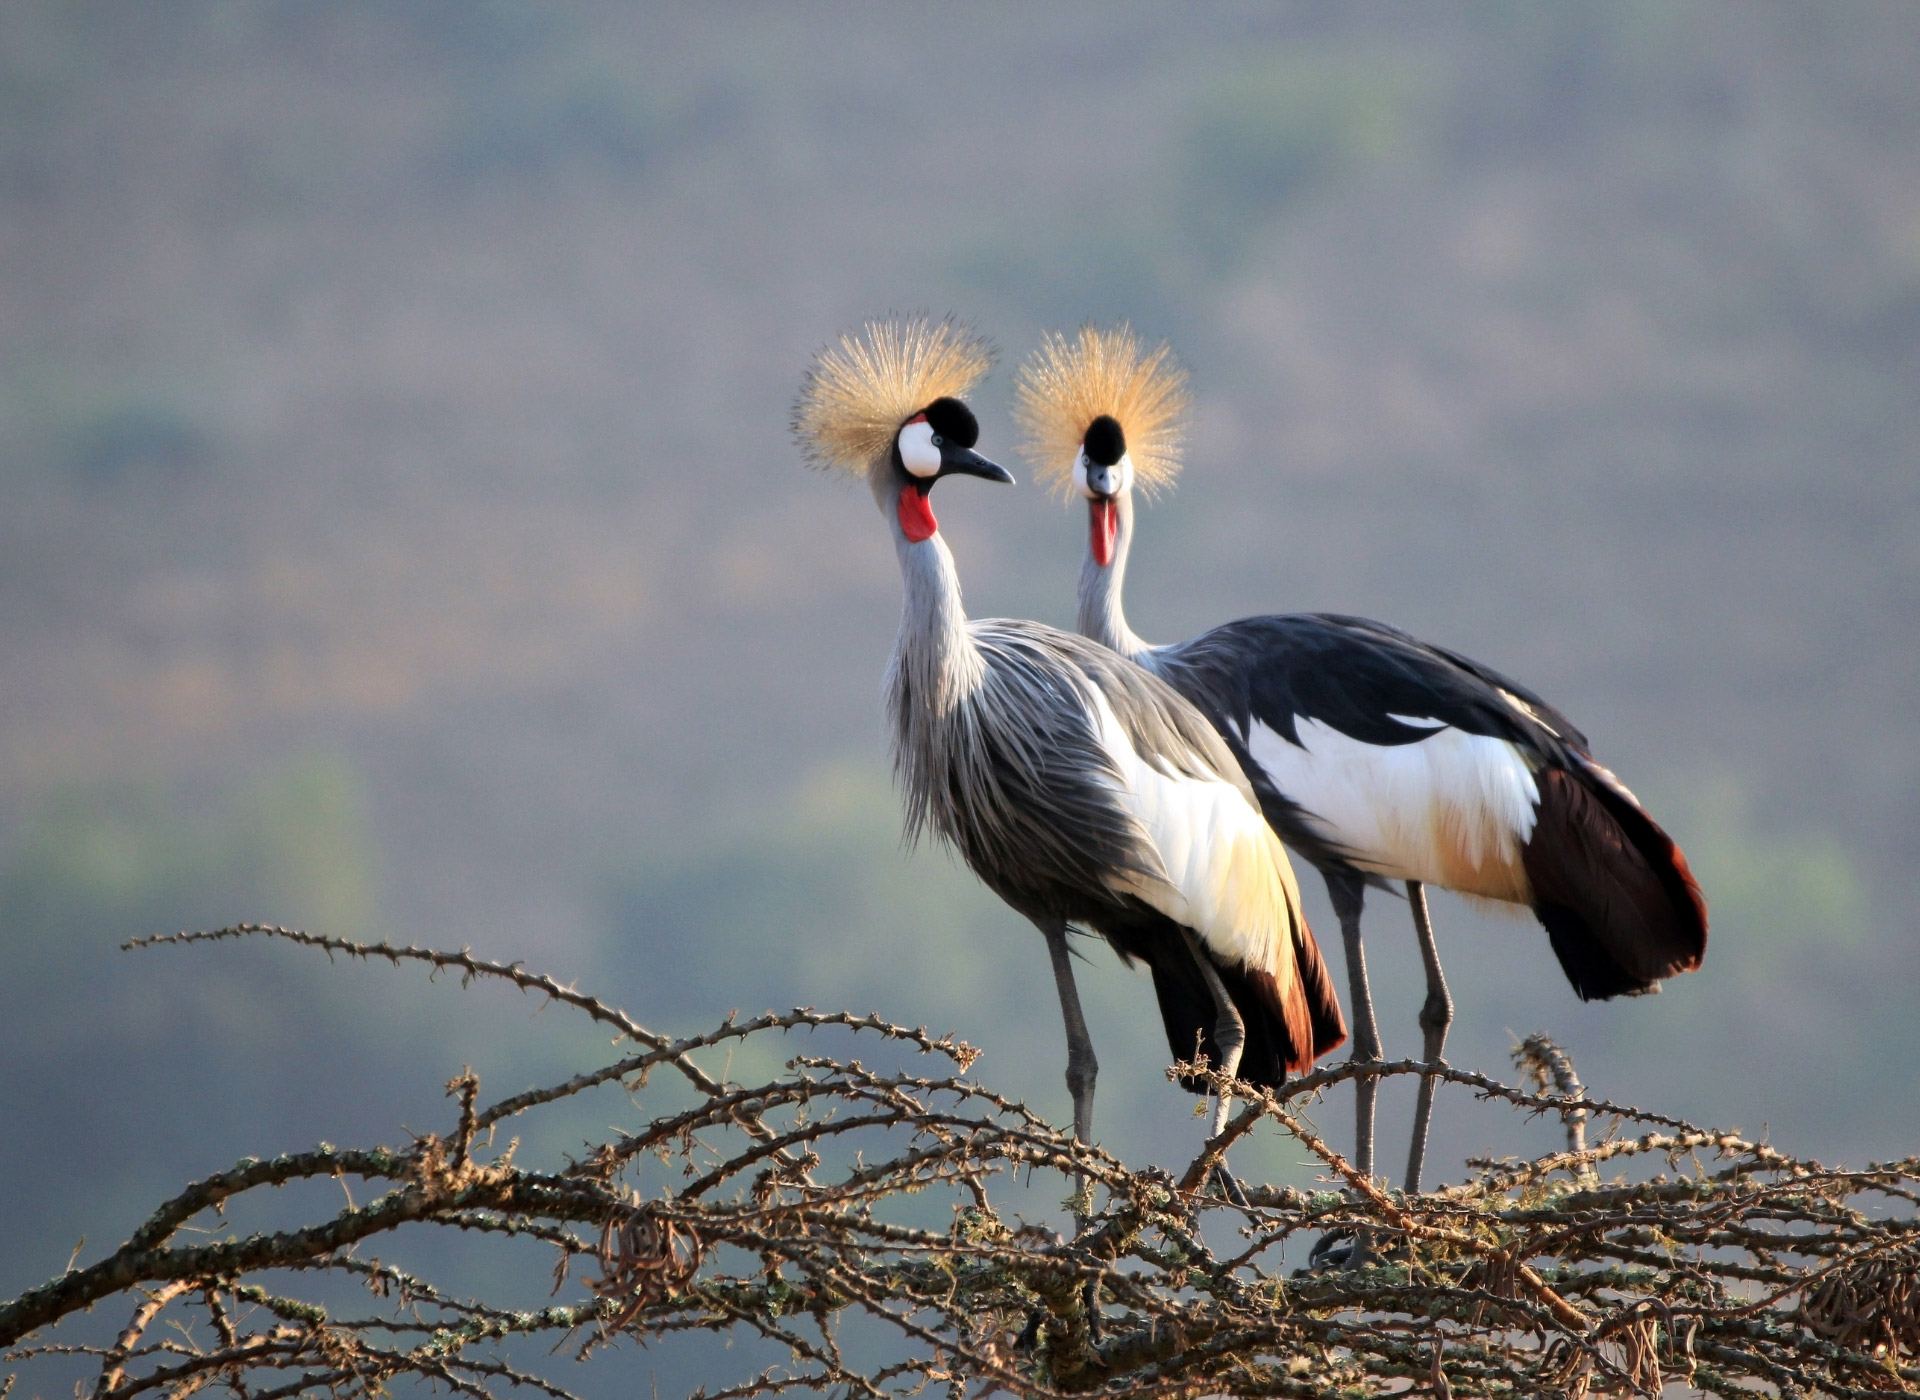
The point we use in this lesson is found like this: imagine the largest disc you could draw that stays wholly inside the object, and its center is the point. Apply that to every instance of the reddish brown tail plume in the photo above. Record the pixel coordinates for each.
(1612, 889)
(1285, 1034)
(1323, 1003)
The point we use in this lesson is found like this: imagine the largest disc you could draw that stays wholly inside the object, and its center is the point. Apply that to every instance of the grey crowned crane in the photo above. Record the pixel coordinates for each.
(1375, 756)
(1081, 789)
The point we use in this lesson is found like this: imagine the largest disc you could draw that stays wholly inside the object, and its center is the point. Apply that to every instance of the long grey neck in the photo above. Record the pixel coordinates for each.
(1102, 617)
(935, 669)
(933, 652)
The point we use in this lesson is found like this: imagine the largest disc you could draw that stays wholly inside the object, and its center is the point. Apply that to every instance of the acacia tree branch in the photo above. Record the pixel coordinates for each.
(1531, 1278)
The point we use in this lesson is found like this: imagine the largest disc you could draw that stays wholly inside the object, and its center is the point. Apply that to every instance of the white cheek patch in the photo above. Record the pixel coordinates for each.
(917, 452)
(1124, 470)
(1080, 474)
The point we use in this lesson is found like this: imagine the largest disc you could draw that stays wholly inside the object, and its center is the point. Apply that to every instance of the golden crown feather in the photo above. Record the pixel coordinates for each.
(860, 389)
(1066, 384)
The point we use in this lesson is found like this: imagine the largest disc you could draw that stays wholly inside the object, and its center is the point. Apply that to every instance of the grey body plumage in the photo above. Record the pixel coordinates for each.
(995, 752)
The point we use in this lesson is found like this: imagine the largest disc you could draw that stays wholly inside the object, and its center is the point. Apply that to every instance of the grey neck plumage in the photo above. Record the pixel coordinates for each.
(933, 649)
(936, 669)
(1102, 618)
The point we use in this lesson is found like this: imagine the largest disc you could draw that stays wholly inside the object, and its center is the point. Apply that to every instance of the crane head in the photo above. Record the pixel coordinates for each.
(1102, 400)
(937, 441)
(887, 403)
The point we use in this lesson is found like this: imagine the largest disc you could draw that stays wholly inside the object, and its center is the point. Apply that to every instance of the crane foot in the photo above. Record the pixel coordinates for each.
(1336, 1251)
(1345, 1248)
(1230, 1188)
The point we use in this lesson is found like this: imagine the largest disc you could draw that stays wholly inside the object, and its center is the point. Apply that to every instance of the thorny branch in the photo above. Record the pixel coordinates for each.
(1709, 1260)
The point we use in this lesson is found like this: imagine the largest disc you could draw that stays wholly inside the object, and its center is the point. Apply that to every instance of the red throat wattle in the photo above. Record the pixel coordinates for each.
(1104, 526)
(916, 515)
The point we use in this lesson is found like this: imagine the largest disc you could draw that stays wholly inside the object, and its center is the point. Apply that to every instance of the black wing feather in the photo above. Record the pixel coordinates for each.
(1356, 676)
(1612, 889)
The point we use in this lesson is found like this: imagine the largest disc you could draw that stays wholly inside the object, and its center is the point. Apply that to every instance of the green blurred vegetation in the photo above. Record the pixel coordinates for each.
(811, 901)
(1779, 902)
(1257, 141)
(97, 1035)
(1269, 136)
(289, 846)
(73, 425)
(1117, 264)
(1799, 987)
(44, 60)
(136, 438)
(530, 93)
(537, 112)
(91, 868)
(285, 1047)
(1273, 132)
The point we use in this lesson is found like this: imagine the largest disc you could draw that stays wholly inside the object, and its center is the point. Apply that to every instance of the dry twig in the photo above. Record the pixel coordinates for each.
(1756, 1271)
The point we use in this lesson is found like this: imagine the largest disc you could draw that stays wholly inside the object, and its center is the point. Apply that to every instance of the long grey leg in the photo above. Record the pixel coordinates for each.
(1230, 1035)
(1436, 1014)
(1348, 892)
(1229, 1031)
(1082, 1068)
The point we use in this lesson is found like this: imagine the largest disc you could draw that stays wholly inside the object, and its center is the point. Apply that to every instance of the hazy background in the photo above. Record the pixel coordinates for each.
(401, 536)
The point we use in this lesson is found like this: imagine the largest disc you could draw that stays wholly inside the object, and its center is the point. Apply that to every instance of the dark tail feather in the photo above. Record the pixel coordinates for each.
(1186, 1008)
(1613, 891)
(1273, 1052)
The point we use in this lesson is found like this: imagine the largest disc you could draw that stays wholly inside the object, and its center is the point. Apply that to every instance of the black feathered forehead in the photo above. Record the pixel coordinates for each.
(1104, 443)
(954, 421)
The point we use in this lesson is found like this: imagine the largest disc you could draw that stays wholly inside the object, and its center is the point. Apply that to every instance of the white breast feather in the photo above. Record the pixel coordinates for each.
(1228, 876)
(1453, 809)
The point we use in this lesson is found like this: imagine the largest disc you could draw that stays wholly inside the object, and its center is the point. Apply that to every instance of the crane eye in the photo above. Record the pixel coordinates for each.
(936, 440)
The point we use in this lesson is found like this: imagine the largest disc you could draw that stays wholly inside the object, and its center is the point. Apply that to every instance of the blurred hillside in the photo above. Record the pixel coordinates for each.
(401, 534)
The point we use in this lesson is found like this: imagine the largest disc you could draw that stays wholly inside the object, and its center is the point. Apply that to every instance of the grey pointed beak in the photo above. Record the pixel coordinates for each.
(965, 461)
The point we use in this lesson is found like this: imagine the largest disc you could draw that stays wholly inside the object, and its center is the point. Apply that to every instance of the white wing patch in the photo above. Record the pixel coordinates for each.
(1453, 809)
(1228, 878)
